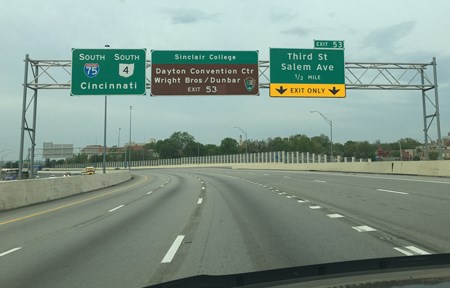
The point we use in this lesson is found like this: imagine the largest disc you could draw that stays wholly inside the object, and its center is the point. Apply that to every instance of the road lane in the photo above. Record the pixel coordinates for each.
(100, 249)
(420, 216)
(183, 222)
(253, 228)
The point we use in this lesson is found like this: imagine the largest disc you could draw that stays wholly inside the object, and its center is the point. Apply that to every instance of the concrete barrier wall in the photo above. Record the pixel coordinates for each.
(420, 168)
(20, 193)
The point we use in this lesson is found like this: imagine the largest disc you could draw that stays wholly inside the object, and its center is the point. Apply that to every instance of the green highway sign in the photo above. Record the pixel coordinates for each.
(329, 44)
(307, 73)
(108, 72)
(204, 73)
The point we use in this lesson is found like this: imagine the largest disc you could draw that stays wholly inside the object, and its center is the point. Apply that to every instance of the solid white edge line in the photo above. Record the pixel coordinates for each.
(417, 250)
(173, 249)
(320, 181)
(392, 191)
(114, 209)
(200, 200)
(406, 252)
(10, 251)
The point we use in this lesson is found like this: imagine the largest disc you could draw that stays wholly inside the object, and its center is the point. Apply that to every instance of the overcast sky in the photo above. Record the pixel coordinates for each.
(373, 31)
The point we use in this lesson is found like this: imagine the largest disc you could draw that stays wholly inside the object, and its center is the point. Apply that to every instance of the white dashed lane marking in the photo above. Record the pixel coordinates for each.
(10, 251)
(392, 191)
(411, 250)
(200, 200)
(114, 209)
(173, 249)
(335, 215)
(364, 228)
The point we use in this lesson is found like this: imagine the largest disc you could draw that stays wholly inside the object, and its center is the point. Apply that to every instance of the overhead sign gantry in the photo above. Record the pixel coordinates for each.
(318, 72)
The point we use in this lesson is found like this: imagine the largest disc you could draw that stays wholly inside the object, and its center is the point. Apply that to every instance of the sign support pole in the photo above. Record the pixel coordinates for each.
(436, 102)
(24, 109)
(104, 130)
(33, 135)
(104, 136)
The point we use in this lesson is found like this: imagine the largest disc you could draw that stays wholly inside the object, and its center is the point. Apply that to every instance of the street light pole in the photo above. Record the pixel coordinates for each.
(3, 155)
(129, 143)
(118, 147)
(331, 132)
(245, 133)
(118, 139)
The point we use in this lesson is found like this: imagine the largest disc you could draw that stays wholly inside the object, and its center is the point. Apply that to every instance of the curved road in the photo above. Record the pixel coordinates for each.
(168, 224)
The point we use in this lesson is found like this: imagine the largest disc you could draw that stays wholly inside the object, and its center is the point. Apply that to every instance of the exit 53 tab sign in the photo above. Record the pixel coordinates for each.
(307, 73)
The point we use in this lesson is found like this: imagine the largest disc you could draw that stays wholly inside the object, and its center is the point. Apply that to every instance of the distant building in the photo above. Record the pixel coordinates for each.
(92, 150)
(57, 151)
(381, 154)
(446, 141)
(408, 154)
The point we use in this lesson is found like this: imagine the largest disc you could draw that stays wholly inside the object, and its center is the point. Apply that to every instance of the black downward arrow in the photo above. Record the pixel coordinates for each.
(334, 91)
(281, 90)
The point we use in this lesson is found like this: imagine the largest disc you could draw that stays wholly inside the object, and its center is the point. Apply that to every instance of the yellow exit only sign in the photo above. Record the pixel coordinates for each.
(307, 90)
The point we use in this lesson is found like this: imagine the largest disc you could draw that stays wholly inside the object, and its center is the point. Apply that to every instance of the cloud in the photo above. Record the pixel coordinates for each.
(297, 31)
(189, 16)
(387, 37)
(282, 15)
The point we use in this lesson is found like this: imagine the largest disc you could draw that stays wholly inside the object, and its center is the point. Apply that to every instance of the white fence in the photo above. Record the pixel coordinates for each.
(261, 157)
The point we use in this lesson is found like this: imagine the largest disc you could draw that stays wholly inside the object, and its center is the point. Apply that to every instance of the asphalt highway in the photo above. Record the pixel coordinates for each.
(167, 224)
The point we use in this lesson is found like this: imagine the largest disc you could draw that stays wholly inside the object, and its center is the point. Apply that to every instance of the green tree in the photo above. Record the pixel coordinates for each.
(211, 149)
(338, 149)
(179, 144)
(350, 149)
(300, 142)
(433, 155)
(409, 143)
(366, 150)
(255, 146)
(229, 146)
(320, 144)
(277, 144)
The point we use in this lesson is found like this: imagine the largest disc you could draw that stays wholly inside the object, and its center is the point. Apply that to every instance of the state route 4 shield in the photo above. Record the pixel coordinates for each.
(126, 70)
